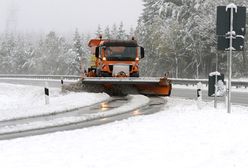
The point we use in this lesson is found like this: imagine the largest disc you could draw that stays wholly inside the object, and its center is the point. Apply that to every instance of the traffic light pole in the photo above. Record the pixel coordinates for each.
(216, 82)
(231, 34)
(231, 22)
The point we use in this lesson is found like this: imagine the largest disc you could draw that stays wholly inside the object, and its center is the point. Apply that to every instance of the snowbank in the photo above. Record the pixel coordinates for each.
(22, 101)
(179, 137)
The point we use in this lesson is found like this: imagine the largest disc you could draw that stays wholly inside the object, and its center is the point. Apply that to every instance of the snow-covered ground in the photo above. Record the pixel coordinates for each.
(22, 100)
(180, 136)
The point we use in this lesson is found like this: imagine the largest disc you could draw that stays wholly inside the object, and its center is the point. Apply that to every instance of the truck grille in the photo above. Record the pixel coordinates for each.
(111, 68)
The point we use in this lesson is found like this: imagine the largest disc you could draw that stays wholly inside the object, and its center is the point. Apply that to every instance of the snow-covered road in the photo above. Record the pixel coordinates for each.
(28, 115)
(18, 101)
(179, 136)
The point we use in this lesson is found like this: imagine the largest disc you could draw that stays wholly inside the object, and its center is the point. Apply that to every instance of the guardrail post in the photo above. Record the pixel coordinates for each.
(62, 83)
(46, 93)
(199, 94)
(62, 80)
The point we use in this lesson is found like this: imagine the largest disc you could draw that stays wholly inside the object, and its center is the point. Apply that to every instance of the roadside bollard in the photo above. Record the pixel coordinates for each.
(199, 94)
(62, 81)
(46, 93)
(199, 91)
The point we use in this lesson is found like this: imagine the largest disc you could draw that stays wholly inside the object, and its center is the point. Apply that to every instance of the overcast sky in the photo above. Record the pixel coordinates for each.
(66, 15)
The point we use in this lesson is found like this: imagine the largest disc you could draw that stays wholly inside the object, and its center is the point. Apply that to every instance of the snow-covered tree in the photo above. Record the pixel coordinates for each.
(114, 32)
(107, 34)
(53, 50)
(131, 33)
(121, 34)
(78, 53)
(181, 32)
(99, 31)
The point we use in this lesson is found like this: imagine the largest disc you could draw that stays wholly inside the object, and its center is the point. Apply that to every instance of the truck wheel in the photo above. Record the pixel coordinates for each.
(134, 75)
(105, 74)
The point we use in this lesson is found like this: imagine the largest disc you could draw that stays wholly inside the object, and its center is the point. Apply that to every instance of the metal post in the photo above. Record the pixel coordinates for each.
(46, 89)
(176, 67)
(229, 82)
(199, 94)
(62, 81)
(231, 33)
(216, 81)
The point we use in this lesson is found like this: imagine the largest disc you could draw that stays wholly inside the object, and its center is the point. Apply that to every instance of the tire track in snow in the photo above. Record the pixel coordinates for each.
(126, 110)
(116, 108)
(154, 105)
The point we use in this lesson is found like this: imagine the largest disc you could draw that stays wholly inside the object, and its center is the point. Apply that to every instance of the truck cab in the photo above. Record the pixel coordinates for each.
(116, 58)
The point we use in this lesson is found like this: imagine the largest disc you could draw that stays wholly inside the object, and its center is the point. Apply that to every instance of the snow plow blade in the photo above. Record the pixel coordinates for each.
(154, 86)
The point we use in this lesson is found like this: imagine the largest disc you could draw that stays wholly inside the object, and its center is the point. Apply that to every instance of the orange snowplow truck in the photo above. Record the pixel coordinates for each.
(116, 62)
(115, 58)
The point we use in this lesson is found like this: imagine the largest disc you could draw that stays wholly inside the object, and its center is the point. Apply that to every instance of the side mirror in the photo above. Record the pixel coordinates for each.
(142, 52)
(97, 52)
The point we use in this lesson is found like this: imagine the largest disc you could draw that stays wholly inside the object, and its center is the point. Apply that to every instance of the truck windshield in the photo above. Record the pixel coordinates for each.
(120, 53)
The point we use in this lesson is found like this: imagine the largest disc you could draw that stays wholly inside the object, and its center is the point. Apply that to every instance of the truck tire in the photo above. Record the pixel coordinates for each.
(105, 74)
(134, 75)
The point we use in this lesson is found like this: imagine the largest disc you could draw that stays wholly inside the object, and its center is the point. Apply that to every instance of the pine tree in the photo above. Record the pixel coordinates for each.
(107, 34)
(131, 33)
(98, 31)
(78, 53)
(53, 53)
(114, 32)
(121, 35)
(7, 52)
(180, 32)
(86, 50)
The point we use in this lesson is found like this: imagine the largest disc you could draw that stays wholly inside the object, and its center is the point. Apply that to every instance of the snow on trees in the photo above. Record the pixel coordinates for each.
(50, 53)
(182, 33)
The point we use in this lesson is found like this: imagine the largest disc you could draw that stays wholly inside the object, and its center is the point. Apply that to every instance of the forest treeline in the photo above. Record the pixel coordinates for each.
(51, 53)
(180, 39)
(178, 36)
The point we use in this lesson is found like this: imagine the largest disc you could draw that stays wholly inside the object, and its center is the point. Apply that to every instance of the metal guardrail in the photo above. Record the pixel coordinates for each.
(180, 81)
(240, 83)
(59, 77)
(236, 83)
